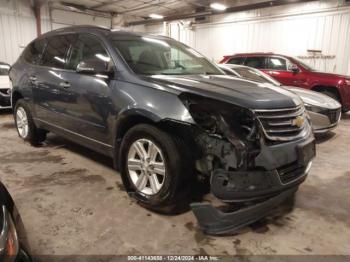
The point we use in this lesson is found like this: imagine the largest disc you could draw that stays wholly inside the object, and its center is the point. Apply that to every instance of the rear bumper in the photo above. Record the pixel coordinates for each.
(215, 222)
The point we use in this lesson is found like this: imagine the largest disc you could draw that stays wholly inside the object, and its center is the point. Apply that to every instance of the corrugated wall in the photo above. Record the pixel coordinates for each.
(18, 25)
(291, 30)
(17, 28)
(326, 29)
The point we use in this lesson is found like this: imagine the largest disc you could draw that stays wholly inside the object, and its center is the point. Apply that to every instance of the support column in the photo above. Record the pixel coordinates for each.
(37, 13)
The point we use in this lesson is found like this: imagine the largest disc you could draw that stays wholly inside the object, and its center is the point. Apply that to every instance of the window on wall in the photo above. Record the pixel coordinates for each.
(33, 53)
(56, 51)
(87, 47)
(277, 63)
(256, 62)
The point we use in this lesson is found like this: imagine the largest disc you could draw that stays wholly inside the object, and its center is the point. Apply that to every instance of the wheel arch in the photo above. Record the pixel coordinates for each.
(133, 117)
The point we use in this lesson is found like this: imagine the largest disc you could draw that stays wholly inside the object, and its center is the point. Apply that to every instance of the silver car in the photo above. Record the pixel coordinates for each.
(325, 112)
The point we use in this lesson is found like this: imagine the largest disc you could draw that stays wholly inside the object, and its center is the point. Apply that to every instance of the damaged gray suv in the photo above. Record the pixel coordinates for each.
(166, 115)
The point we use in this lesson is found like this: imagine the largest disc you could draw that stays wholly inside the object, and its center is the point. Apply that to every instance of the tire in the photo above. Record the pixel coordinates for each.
(172, 187)
(25, 126)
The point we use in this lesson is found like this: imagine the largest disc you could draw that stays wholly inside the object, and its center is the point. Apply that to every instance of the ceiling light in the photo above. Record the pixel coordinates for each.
(155, 16)
(218, 6)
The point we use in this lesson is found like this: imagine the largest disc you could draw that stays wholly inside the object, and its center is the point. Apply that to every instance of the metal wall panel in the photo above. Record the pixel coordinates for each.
(18, 25)
(290, 30)
(291, 35)
(16, 30)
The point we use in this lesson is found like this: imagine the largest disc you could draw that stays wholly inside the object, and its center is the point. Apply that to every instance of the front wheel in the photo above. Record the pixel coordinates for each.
(25, 125)
(154, 169)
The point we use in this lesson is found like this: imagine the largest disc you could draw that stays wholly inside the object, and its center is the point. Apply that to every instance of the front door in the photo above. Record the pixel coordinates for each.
(280, 68)
(92, 107)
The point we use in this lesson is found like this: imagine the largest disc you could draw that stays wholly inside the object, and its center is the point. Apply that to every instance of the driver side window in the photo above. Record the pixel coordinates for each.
(87, 47)
(277, 63)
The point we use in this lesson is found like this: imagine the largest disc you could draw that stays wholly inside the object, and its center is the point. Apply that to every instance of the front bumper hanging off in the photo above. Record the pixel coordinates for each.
(215, 222)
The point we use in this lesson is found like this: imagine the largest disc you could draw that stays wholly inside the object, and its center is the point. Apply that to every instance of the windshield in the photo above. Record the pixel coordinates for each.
(304, 64)
(255, 75)
(153, 56)
(4, 69)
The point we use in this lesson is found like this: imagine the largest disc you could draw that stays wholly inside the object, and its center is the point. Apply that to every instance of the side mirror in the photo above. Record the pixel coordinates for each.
(94, 66)
(294, 68)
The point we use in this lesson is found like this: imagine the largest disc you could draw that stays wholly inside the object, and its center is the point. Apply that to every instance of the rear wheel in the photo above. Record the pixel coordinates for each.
(154, 168)
(25, 125)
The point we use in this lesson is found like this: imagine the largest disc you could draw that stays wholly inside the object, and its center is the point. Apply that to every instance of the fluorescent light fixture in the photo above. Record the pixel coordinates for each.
(156, 16)
(218, 6)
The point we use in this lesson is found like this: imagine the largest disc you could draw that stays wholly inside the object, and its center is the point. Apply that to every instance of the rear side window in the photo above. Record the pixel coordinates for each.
(256, 62)
(33, 53)
(277, 63)
(56, 51)
(236, 60)
(87, 47)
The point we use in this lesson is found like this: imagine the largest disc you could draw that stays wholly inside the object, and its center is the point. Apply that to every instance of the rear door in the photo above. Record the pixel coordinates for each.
(51, 92)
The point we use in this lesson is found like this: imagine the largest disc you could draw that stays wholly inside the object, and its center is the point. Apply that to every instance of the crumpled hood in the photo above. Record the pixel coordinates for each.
(314, 98)
(233, 90)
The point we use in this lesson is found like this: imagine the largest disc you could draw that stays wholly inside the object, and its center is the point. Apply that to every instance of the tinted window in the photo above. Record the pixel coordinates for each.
(256, 62)
(153, 56)
(56, 51)
(277, 63)
(33, 52)
(236, 60)
(86, 48)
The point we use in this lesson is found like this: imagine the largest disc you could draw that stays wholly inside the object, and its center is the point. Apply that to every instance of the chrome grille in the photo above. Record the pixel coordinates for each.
(283, 124)
(332, 114)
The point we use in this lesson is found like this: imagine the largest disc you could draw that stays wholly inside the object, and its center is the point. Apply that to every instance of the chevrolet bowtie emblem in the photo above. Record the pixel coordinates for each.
(298, 121)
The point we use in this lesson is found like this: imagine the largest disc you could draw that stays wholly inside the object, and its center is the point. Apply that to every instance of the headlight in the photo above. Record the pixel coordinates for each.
(347, 81)
(313, 108)
(9, 245)
(209, 114)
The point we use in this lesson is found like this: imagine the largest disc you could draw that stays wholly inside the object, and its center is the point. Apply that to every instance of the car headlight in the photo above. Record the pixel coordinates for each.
(9, 245)
(347, 81)
(313, 108)
(209, 114)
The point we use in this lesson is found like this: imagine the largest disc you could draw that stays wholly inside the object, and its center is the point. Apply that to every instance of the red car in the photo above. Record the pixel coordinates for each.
(291, 71)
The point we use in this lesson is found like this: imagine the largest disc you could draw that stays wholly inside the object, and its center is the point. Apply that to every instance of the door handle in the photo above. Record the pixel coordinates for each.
(65, 84)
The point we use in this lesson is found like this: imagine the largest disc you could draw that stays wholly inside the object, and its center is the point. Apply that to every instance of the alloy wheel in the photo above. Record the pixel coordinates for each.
(146, 166)
(22, 122)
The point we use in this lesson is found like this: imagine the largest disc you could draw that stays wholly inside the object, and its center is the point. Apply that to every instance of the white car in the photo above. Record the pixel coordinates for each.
(324, 111)
(5, 86)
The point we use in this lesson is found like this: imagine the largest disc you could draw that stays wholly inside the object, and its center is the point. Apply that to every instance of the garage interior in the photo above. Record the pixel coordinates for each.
(72, 201)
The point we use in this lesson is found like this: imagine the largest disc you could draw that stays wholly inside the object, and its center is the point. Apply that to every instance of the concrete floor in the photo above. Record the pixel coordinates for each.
(73, 202)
